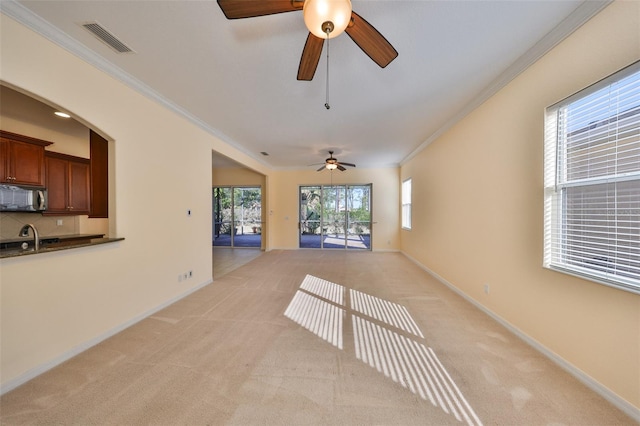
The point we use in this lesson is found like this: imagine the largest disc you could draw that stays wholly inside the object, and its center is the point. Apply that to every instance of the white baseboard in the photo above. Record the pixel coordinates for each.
(36, 371)
(589, 381)
(318, 248)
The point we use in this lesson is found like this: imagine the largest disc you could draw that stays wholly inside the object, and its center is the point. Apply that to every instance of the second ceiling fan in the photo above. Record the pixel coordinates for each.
(322, 23)
(332, 163)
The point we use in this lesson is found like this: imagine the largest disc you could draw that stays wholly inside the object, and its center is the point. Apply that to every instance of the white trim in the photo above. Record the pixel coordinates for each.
(625, 406)
(381, 250)
(26, 17)
(575, 20)
(571, 23)
(620, 283)
(38, 370)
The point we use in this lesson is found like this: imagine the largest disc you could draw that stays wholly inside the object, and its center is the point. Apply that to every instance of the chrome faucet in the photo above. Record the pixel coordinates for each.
(24, 232)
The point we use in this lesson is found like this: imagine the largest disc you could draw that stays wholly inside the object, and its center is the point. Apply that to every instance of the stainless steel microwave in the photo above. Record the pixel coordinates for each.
(22, 199)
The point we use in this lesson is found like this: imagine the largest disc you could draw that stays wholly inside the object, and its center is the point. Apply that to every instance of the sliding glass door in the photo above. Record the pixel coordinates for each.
(358, 230)
(237, 216)
(336, 216)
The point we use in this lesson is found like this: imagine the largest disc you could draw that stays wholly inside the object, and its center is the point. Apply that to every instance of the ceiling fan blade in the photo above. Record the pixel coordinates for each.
(342, 169)
(371, 41)
(347, 164)
(236, 9)
(321, 169)
(310, 57)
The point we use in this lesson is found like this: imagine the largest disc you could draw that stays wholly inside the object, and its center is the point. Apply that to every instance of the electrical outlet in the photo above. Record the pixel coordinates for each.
(185, 276)
(486, 289)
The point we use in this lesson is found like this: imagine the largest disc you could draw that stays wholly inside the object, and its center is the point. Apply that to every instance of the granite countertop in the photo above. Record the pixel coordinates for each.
(12, 247)
(29, 239)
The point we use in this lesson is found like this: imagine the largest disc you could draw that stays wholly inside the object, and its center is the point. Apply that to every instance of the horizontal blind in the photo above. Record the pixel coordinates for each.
(592, 180)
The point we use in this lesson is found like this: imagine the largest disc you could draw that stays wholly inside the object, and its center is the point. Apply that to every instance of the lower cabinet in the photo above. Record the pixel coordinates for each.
(68, 183)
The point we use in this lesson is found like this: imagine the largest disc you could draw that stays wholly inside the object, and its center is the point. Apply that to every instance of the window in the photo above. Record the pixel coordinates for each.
(592, 182)
(406, 204)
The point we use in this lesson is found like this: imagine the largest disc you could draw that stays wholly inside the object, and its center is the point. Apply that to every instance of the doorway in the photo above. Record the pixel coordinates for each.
(335, 217)
(237, 216)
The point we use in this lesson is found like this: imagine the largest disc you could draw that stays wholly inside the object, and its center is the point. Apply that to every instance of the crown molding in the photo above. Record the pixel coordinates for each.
(575, 20)
(26, 17)
(583, 13)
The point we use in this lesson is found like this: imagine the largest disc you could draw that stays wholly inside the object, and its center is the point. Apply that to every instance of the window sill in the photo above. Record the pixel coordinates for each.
(628, 287)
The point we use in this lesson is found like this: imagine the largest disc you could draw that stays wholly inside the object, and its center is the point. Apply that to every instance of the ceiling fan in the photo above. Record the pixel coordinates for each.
(325, 19)
(333, 163)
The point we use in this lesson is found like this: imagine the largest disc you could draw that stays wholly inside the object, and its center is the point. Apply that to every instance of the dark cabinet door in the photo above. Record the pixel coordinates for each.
(57, 184)
(5, 176)
(21, 159)
(79, 187)
(67, 184)
(28, 163)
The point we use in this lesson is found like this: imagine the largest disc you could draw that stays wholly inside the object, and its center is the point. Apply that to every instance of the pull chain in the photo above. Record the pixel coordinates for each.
(326, 104)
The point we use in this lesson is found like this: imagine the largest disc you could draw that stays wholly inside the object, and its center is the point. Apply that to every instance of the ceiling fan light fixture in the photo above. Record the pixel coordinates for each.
(331, 166)
(317, 12)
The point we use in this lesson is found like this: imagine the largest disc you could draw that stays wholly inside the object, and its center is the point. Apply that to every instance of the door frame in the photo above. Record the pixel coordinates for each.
(232, 189)
(304, 222)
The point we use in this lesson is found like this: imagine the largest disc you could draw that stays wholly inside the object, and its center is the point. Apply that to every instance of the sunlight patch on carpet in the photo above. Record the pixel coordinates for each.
(388, 312)
(386, 338)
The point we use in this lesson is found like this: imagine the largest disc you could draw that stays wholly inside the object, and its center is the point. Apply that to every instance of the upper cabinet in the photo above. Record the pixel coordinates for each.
(67, 184)
(21, 159)
(75, 185)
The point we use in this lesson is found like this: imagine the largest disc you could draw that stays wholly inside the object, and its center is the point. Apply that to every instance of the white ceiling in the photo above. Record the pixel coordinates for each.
(237, 78)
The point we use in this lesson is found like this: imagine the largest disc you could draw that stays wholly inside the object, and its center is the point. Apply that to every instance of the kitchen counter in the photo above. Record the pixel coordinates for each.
(13, 247)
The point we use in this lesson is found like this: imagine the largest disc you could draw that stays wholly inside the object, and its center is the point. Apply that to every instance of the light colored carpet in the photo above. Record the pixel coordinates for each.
(312, 337)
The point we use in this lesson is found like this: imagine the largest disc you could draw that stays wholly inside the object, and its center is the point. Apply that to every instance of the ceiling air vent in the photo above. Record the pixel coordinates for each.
(107, 38)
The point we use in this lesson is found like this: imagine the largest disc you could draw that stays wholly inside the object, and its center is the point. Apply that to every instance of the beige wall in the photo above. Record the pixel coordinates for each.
(56, 304)
(237, 176)
(283, 210)
(24, 115)
(281, 204)
(478, 211)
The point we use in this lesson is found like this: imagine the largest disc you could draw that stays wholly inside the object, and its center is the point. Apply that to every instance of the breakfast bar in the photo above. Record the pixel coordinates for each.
(25, 246)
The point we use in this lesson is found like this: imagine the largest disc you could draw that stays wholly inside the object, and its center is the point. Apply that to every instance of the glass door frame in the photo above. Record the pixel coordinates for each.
(233, 223)
(309, 225)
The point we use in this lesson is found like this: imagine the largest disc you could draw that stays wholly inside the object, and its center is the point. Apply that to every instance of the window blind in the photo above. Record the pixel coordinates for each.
(592, 182)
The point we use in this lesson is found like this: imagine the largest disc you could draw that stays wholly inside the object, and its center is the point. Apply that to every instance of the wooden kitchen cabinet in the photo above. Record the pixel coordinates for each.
(22, 159)
(68, 180)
